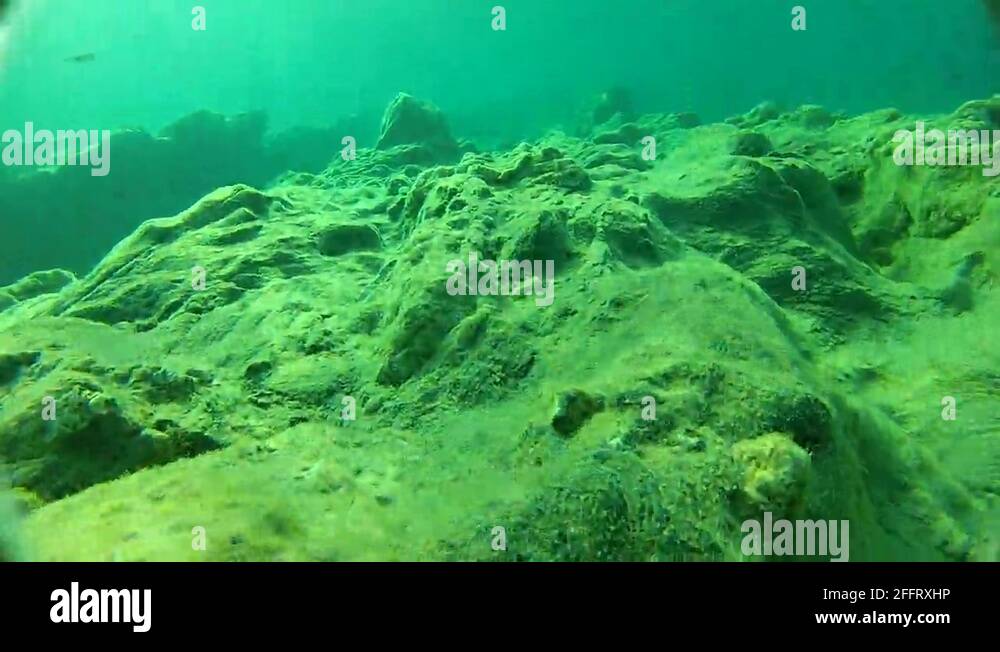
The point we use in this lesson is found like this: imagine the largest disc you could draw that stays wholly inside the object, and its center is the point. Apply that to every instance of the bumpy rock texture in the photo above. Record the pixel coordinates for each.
(204, 373)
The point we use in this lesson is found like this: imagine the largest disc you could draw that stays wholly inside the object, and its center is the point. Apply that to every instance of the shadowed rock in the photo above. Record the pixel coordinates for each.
(409, 121)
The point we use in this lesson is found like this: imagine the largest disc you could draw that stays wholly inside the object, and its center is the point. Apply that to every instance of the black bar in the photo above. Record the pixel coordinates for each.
(251, 600)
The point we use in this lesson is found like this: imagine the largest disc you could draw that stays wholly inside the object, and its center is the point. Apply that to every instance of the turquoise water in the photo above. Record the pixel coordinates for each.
(312, 61)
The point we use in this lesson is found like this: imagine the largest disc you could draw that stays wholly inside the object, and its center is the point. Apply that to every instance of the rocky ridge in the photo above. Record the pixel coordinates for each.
(201, 371)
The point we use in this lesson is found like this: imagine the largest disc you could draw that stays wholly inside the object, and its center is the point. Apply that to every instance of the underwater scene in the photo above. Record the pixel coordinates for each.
(499, 280)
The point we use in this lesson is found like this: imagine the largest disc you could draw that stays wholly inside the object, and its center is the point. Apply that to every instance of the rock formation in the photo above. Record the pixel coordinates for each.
(285, 367)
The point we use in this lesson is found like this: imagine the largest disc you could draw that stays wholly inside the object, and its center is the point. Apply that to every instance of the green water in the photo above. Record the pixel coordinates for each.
(307, 62)
(267, 327)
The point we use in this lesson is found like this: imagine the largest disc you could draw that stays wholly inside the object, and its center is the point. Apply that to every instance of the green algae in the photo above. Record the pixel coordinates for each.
(223, 407)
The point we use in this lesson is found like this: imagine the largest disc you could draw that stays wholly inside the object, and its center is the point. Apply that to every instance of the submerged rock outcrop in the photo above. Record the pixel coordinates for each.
(61, 217)
(409, 121)
(765, 315)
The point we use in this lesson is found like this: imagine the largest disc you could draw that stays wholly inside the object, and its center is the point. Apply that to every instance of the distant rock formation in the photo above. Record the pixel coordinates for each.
(614, 101)
(409, 121)
(60, 217)
(608, 110)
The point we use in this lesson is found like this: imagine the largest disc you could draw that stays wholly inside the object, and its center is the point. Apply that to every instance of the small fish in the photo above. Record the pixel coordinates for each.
(80, 58)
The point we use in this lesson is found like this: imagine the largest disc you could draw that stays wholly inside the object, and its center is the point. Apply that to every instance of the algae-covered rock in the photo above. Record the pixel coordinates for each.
(409, 121)
(763, 112)
(958, 293)
(751, 143)
(572, 409)
(417, 332)
(38, 283)
(765, 315)
(80, 435)
(775, 472)
(11, 364)
(344, 238)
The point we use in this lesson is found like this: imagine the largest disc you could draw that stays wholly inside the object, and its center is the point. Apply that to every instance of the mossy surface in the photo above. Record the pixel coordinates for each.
(221, 405)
